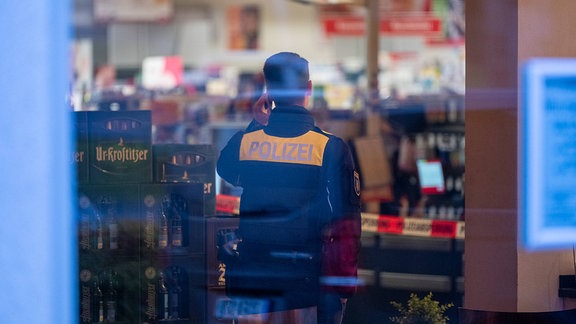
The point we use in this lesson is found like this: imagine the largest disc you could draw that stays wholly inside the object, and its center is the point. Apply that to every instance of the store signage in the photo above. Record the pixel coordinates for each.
(244, 27)
(162, 72)
(132, 10)
(431, 176)
(393, 26)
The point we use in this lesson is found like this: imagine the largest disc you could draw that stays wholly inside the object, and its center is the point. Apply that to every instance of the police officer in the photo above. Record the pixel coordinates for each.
(300, 205)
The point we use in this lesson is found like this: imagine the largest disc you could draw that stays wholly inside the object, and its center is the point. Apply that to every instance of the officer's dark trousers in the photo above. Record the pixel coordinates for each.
(330, 309)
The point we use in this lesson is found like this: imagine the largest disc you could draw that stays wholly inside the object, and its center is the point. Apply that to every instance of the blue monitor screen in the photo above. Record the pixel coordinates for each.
(431, 176)
(548, 162)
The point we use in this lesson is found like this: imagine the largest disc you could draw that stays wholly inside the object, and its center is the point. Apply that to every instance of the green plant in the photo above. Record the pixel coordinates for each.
(420, 311)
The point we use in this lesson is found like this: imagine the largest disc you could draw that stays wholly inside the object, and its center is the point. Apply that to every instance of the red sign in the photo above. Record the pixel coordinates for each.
(399, 26)
(344, 26)
(228, 204)
(162, 72)
(425, 25)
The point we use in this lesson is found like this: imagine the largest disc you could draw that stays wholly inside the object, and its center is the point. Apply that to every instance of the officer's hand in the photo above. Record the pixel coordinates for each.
(261, 109)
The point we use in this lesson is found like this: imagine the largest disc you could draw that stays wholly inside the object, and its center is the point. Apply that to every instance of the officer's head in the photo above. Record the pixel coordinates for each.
(287, 78)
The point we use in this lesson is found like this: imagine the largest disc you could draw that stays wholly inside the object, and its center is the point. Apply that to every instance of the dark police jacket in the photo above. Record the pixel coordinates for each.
(299, 209)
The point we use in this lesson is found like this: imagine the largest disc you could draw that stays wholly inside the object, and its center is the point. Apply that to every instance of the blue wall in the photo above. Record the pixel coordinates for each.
(37, 247)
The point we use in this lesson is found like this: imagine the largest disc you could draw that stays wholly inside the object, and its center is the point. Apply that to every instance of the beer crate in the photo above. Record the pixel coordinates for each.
(120, 147)
(108, 291)
(171, 219)
(172, 291)
(79, 156)
(184, 163)
(220, 230)
(108, 220)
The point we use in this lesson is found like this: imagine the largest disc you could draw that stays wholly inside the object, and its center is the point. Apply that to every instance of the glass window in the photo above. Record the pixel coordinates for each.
(160, 88)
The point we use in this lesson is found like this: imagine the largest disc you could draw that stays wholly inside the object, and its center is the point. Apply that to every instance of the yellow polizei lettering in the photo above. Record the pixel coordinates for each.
(305, 149)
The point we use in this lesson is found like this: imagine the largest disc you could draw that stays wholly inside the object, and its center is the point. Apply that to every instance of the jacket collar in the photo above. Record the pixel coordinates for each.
(289, 121)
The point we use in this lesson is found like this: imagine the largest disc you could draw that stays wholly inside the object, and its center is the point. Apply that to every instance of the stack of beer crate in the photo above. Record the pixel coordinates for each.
(141, 221)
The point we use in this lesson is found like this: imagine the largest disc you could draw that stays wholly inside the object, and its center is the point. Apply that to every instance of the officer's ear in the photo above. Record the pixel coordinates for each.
(309, 88)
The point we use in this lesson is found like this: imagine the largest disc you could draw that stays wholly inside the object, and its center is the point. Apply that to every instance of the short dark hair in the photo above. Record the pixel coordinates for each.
(286, 75)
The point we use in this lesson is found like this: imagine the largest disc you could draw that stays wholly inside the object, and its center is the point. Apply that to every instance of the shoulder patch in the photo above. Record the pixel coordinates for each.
(357, 183)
